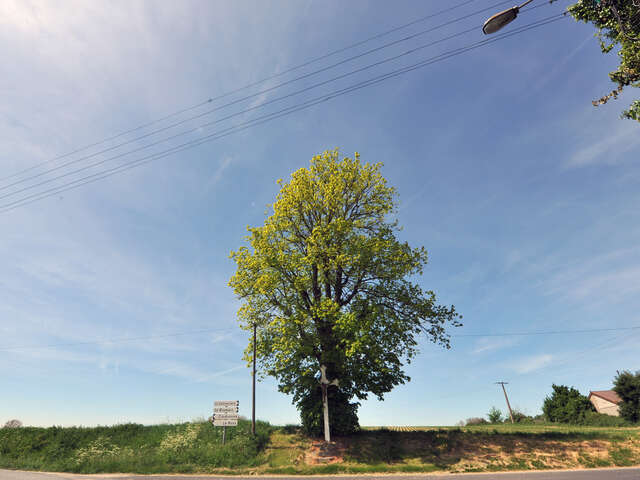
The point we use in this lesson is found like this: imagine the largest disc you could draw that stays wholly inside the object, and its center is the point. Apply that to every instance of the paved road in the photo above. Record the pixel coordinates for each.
(594, 474)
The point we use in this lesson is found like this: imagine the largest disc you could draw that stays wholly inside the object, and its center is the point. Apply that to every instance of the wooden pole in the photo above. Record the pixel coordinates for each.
(224, 434)
(253, 404)
(506, 398)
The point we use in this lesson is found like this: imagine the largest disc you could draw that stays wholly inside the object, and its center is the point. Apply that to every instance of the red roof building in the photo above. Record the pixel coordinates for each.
(605, 401)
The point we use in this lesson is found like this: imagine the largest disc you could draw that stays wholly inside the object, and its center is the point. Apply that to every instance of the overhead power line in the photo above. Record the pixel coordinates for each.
(259, 120)
(199, 127)
(265, 118)
(547, 332)
(253, 84)
(219, 330)
(115, 340)
(264, 91)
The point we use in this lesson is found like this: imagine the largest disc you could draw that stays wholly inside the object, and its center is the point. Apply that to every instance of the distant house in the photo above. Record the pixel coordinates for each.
(605, 401)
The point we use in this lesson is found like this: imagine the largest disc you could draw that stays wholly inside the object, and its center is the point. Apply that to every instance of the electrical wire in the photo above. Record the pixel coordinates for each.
(115, 340)
(199, 127)
(231, 92)
(548, 332)
(257, 121)
(218, 330)
(270, 89)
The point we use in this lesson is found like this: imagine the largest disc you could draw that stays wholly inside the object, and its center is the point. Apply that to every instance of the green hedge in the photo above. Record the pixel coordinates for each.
(134, 448)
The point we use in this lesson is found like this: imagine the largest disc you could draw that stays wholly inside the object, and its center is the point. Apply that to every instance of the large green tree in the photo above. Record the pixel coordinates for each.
(618, 24)
(627, 386)
(328, 283)
(566, 405)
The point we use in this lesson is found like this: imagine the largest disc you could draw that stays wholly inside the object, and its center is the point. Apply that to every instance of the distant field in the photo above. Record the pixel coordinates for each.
(197, 448)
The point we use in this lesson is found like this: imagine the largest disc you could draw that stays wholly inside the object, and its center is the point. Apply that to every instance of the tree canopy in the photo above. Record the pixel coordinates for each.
(627, 386)
(566, 405)
(618, 24)
(326, 281)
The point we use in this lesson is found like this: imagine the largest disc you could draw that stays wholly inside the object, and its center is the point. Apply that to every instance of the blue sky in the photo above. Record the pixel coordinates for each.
(525, 196)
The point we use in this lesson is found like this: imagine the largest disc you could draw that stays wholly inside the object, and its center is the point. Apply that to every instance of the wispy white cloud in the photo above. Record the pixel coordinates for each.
(223, 166)
(608, 150)
(144, 356)
(194, 374)
(532, 363)
(558, 67)
(491, 344)
(606, 278)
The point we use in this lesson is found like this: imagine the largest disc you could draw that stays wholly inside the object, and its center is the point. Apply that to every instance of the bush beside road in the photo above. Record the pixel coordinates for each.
(184, 448)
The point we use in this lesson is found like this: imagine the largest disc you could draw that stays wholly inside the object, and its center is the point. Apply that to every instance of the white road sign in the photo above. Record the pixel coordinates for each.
(225, 413)
(225, 409)
(225, 416)
(225, 423)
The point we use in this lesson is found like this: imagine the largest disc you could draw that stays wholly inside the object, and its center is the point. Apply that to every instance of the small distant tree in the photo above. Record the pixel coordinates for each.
(520, 417)
(627, 386)
(495, 415)
(476, 421)
(13, 424)
(566, 405)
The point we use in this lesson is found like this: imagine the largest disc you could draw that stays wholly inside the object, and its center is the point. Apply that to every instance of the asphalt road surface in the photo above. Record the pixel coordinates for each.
(594, 474)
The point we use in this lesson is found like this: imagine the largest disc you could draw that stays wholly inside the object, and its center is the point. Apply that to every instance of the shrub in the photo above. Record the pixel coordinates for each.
(596, 419)
(13, 424)
(343, 416)
(476, 421)
(133, 448)
(495, 415)
(627, 386)
(520, 417)
(566, 405)
(539, 419)
(290, 428)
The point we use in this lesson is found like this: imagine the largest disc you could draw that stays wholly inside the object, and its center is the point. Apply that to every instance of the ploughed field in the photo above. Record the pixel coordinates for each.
(197, 448)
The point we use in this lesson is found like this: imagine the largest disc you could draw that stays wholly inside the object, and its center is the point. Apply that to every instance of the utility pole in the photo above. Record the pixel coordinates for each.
(253, 375)
(506, 398)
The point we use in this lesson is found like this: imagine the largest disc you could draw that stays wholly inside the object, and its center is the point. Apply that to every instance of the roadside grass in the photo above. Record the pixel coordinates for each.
(188, 447)
(197, 448)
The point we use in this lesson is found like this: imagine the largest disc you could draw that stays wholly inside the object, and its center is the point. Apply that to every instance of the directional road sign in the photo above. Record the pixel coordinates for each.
(225, 423)
(225, 413)
(225, 409)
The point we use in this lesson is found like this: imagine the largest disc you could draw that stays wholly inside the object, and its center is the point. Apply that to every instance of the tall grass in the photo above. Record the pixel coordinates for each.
(134, 448)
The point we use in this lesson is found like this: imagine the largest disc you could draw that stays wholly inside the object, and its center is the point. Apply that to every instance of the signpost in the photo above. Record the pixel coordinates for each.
(225, 414)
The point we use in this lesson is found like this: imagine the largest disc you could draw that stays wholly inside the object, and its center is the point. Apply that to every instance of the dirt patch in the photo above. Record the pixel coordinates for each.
(321, 453)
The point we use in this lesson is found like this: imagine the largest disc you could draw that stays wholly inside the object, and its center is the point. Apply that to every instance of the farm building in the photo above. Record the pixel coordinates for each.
(605, 401)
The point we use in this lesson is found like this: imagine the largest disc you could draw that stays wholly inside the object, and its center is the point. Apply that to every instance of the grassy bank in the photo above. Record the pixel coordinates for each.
(189, 447)
(494, 448)
(486, 448)
(197, 447)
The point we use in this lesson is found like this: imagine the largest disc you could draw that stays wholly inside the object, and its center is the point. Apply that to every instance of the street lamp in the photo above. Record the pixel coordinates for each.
(499, 20)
